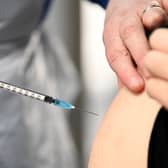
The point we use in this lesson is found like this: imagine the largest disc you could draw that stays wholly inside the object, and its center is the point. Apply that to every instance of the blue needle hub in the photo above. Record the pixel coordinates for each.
(63, 104)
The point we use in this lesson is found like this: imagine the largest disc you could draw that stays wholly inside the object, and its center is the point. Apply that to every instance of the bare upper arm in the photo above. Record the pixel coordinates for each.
(123, 137)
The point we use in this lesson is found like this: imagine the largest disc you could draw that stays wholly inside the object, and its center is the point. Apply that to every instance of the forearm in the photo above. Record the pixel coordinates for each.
(123, 137)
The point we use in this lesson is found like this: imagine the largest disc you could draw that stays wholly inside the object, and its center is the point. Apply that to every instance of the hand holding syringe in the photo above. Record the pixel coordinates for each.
(41, 97)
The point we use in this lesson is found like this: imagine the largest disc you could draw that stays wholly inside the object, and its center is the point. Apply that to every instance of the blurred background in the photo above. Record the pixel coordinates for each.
(63, 56)
(79, 25)
(100, 84)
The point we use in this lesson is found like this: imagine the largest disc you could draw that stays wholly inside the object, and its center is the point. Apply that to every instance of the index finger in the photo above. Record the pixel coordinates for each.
(133, 35)
(119, 59)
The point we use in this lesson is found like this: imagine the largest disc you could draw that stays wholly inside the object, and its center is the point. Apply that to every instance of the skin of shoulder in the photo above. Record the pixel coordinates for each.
(123, 137)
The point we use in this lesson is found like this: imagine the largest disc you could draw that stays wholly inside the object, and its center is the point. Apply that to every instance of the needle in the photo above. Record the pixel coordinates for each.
(41, 97)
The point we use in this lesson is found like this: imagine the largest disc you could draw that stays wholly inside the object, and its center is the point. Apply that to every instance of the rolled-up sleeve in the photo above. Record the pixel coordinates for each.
(103, 3)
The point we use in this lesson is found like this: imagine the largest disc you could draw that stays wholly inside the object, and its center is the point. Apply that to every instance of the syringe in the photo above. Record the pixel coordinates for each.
(41, 97)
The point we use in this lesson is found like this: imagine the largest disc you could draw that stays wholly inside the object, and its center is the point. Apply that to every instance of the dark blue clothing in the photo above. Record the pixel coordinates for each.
(103, 3)
(46, 5)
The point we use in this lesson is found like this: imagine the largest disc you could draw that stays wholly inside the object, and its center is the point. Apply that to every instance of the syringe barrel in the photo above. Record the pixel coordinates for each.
(21, 91)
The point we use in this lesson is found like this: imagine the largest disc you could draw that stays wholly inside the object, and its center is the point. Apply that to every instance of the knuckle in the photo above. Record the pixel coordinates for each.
(128, 29)
(113, 55)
